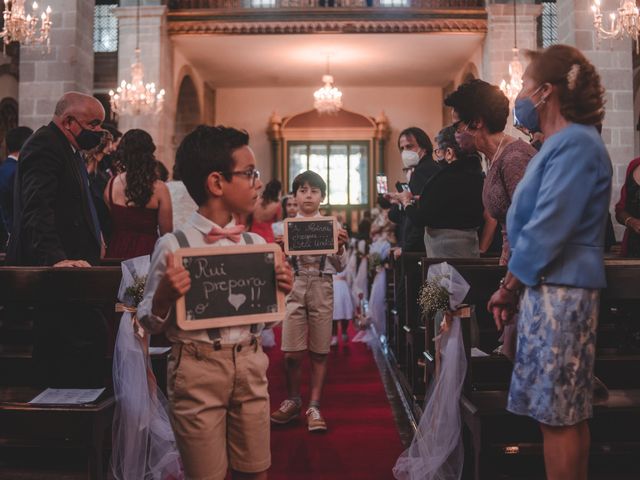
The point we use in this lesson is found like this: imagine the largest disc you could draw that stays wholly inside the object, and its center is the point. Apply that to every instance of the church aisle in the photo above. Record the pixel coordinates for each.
(362, 441)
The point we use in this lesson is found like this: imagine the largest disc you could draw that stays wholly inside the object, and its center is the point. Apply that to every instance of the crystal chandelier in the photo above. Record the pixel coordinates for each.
(22, 27)
(514, 85)
(136, 97)
(328, 99)
(625, 23)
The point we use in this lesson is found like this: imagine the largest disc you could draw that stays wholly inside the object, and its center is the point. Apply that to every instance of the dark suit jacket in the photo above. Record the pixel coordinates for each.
(51, 215)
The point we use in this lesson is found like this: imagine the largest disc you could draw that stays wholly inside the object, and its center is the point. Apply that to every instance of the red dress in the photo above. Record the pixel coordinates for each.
(264, 228)
(135, 230)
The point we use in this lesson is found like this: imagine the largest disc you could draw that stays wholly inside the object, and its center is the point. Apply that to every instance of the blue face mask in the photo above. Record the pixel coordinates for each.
(525, 113)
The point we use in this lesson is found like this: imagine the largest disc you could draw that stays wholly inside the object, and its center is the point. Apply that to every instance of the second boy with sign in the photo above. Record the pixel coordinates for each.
(309, 318)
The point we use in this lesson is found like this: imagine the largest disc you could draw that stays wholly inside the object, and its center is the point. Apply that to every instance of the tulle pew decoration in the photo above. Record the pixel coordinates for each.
(143, 443)
(437, 452)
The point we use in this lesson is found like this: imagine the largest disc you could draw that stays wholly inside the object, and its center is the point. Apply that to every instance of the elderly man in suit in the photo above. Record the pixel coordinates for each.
(55, 224)
(55, 221)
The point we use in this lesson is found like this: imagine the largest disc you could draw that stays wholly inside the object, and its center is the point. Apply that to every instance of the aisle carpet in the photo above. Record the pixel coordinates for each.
(362, 442)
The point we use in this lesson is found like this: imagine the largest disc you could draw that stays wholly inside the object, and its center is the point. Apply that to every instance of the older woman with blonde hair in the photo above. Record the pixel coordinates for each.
(556, 228)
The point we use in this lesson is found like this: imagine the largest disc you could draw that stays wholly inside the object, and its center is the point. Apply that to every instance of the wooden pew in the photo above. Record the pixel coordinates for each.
(27, 296)
(501, 441)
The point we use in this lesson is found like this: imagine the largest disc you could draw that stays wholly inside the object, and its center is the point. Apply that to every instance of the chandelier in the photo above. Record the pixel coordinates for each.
(328, 99)
(514, 85)
(22, 27)
(136, 97)
(625, 23)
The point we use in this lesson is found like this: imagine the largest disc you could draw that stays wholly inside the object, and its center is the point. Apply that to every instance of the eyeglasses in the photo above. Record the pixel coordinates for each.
(252, 175)
(458, 126)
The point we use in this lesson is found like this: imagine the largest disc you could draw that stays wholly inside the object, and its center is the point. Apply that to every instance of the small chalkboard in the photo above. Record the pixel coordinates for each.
(310, 235)
(230, 286)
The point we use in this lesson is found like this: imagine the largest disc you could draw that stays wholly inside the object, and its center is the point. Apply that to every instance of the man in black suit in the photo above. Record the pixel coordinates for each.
(55, 222)
(418, 166)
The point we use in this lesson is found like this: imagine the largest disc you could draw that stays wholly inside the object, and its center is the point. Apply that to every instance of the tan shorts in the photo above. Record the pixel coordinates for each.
(309, 318)
(219, 406)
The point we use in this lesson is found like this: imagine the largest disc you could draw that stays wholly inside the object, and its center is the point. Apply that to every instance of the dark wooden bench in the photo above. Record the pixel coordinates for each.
(28, 295)
(498, 438)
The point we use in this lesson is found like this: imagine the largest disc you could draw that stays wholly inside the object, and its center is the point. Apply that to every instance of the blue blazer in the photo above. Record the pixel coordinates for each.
(557, 219)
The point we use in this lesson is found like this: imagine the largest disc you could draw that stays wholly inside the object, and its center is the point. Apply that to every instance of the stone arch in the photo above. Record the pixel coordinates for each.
(470, 72)
(187, 109)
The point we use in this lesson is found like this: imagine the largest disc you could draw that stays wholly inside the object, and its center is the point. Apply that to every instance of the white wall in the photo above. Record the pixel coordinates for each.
(250, 108)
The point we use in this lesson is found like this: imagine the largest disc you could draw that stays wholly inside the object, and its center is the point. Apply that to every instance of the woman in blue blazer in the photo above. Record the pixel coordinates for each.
(556, 229)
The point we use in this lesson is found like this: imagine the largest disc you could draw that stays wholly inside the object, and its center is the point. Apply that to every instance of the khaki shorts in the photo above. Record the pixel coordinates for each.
(307, 325)
(219, 406)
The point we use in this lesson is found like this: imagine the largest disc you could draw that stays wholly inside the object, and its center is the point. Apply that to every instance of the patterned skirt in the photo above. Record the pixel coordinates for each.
(552, 379)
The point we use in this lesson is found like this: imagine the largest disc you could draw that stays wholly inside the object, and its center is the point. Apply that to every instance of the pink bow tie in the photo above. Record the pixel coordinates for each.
(232, 233)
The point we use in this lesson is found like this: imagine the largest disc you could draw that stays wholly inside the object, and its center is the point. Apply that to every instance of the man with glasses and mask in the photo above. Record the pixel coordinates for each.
(418, 166)
(55, 224)
(55, 221)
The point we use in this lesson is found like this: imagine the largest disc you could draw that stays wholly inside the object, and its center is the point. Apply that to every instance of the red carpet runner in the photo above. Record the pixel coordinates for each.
(362, 442)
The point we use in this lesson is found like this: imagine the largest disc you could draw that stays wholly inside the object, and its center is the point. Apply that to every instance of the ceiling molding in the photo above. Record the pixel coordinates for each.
(208, 27)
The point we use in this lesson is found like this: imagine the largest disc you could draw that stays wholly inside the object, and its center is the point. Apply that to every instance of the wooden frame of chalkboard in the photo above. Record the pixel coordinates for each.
(301, 225)
(247, 294)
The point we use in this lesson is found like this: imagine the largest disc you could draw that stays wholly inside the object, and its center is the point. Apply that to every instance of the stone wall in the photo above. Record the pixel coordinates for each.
(68, 66)
(613, 60)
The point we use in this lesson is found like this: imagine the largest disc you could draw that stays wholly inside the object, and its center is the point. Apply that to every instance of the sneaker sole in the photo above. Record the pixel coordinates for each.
(284, 422)
(317, 429)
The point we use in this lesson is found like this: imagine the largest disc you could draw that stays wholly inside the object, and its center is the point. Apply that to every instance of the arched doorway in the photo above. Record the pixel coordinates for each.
(187, 110)
(346, 149)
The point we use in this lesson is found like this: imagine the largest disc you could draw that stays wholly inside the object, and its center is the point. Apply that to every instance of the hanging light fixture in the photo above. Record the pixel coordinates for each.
(328, 99)
(625, 24)
(22, 27)
(513, 87)
(136, 97)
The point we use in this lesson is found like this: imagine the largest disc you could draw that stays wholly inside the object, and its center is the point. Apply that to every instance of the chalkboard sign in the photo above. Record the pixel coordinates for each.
(310, 235)
(230, 286)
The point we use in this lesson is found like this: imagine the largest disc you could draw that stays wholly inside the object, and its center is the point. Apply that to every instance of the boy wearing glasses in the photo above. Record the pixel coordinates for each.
(307, 325)
(217, 382)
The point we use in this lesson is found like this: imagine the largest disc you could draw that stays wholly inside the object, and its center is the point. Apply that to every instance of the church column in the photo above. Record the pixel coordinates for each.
(44, 77)
(613, 60)
(156, 57)
(498, 44)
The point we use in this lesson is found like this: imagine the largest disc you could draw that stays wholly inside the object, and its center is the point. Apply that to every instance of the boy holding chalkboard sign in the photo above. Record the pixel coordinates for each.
(307, 325)
(217, 382)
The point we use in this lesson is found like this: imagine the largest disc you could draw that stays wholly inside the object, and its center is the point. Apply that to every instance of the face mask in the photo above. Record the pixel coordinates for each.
(466, 141)
(525, 113)
(410, 158)
(87, 139)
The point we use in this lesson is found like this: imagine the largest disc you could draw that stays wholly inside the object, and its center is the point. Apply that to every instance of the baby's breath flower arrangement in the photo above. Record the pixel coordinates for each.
(375, 260)
(134, 292)
(433, 297)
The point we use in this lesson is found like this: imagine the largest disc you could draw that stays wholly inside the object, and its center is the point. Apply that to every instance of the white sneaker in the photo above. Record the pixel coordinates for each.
(334, 341)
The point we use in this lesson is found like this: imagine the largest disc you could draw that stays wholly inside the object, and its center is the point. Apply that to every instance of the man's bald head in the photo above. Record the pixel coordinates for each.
(75, 112)
(73, 103)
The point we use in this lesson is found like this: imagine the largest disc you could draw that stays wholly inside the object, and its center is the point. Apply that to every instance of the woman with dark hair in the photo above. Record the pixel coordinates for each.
(480, 112)
(289, 209)
(556, 227)
(267, 211)
(139, 202)
(450, 204)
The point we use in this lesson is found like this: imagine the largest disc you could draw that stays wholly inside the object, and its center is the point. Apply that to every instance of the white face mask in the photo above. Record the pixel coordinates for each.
(410, 158)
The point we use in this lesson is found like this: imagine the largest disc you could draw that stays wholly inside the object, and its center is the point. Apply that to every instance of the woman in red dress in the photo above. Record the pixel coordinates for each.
(139, 202)
(268, 211)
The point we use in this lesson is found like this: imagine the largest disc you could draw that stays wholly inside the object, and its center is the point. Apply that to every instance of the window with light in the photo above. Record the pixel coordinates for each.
(343, 165)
